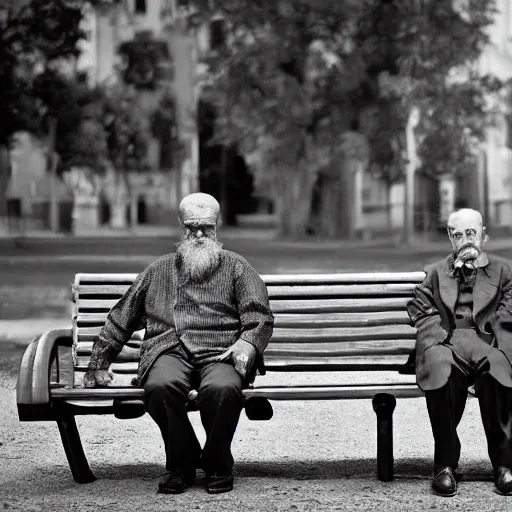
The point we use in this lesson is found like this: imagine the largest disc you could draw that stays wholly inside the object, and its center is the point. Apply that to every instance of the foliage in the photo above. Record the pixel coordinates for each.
(427, 52)
(92, 125)
(453, 124)
(281, 89)
(295, 75)
(35, 36)
(126, 127)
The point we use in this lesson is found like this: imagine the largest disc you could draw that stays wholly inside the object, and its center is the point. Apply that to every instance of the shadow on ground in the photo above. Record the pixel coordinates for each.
(59, 477)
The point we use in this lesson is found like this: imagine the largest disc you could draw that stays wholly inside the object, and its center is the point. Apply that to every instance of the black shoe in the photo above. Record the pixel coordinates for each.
(503, 480)
(215, 484)
(444, 483)
(175, 483)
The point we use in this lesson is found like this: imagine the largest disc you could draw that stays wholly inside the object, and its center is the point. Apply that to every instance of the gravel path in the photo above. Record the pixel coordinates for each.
(310, 456)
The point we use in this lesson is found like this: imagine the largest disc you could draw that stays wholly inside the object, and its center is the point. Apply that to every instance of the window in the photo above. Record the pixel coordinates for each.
(217, 36)
(140, 6)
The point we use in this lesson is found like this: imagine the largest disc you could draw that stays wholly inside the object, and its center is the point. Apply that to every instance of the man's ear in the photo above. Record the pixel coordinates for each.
(485, 236)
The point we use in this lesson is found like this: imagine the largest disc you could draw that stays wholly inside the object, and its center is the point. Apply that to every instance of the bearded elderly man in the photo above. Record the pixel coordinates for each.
(207, 319)
(463, 315)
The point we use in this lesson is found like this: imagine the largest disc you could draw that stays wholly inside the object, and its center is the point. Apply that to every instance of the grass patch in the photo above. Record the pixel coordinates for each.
(11, 354)
(20, 302)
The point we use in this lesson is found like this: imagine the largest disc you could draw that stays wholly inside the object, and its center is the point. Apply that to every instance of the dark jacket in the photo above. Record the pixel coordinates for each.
(432, 309)
(206, 318)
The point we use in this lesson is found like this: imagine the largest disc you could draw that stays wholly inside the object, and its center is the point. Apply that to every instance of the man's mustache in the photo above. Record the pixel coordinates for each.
(468, 245)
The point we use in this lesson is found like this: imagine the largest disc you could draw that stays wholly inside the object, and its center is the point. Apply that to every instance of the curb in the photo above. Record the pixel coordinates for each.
(24, 331)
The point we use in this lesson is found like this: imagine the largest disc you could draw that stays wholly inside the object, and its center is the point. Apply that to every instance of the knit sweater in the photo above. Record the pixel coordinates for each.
(207, 318)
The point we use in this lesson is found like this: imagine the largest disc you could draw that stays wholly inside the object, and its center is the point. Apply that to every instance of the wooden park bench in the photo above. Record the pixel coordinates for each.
(323, 323)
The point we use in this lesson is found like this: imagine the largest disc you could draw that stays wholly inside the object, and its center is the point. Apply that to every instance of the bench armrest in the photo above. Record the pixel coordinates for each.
(33, 387)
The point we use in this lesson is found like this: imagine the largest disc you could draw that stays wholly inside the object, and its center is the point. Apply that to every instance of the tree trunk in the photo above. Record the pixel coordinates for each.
(388, 207)
(5, 174)
(54, 157)
(119, 202)
(346, 228)
(294, 192)
(118, 214)
(337, 202)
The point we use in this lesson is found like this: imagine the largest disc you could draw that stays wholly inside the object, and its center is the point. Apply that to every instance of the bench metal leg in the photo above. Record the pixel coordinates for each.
(384, 405)
(74, 450)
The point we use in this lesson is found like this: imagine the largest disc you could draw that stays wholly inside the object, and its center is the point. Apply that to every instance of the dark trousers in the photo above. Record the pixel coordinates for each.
(446, 406)
(219, 399)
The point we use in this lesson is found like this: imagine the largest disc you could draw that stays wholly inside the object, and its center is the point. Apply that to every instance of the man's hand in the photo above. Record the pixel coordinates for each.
(243, 355)
(97, 377)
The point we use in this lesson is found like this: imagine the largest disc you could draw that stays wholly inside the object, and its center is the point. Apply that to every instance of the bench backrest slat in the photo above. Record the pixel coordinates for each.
(322, 322)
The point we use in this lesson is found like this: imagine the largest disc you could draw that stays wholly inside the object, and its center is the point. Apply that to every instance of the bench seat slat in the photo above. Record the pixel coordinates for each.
(334, 392)
(116, 290)
(124, 372)
(342, 290)
(348, 277)
(288, 350)
(303, 320)
(102, 396)
(90, 333)
(350, 348)
(128, 353)
(281, 335)
(339, 305)
(86, 303)
(384, 332)
(379, 289)
(105, 277)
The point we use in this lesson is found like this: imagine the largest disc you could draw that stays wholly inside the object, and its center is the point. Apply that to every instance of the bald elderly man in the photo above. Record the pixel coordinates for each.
(463, 315)
(207, 319)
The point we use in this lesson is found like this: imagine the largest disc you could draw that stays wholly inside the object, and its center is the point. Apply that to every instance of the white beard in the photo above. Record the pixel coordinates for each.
(198, 260)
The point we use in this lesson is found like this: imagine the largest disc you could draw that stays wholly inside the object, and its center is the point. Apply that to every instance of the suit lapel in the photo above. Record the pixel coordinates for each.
(485, 288)
(448, 286)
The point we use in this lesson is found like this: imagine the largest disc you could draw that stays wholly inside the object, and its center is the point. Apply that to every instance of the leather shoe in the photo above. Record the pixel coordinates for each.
(175, 483)
(503, 480)
(444, 483)
(215, 484)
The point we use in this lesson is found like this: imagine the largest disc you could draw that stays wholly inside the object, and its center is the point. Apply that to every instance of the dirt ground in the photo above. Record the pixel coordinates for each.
(309, 456)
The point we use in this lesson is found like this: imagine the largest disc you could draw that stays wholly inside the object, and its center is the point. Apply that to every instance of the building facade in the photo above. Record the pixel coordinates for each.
(158, 28)
(495, 169)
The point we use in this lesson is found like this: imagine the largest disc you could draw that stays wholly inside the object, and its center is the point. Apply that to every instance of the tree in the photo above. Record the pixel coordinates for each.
(37, 37)
(280, 95)
(127, 132)
(430, 49)
(294, 76)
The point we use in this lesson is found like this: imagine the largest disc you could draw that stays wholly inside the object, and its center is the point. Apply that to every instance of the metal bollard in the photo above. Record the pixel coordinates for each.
(384, 405)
